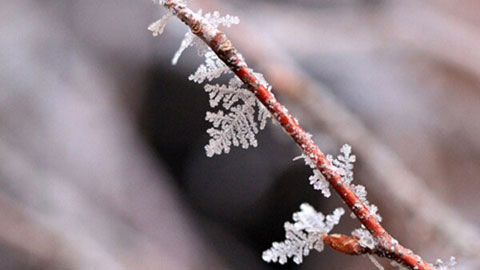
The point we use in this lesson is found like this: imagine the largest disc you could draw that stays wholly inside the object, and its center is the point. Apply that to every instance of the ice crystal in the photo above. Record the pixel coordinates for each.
(449, 265)
(158, 26)
(238, 125)
(303, 235)
(216, 20)
(187, 41)
(213, 68)
(243, 115)
(320, 183)
(317, 179)
(361, 192)
(343, 165)
(365, 238)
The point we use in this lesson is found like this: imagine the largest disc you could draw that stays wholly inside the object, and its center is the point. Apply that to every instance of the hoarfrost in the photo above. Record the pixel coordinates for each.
(317, 179)
(365, 238)
(448, 265)
(303, 235)
(158, 26)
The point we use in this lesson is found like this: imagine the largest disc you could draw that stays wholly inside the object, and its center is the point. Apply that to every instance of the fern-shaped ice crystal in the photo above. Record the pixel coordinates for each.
(344, 164)
(243, 115)
(317, 180)
(238, 124)
(303, 235)
(213, 68)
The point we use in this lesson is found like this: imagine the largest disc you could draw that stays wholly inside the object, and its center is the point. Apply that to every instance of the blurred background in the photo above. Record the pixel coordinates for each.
(102, 163)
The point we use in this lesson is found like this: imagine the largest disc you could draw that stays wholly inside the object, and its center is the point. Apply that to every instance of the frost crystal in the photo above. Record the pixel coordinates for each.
(343, 165)
(317, 179)
(450, 265)
(235, 128)
(216, 20)
(303, 235)
(365, 238)
(320, 183)
(238, 125)
(212, 69)
(240, 121)
(158, 26)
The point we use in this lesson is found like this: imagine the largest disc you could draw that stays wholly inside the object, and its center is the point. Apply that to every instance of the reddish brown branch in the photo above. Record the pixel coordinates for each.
(222, 46)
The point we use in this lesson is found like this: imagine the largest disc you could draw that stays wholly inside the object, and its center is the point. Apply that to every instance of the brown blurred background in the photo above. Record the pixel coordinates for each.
(101, 140)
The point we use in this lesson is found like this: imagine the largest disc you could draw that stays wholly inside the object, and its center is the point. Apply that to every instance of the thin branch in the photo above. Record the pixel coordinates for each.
(387, 246)
(390, 174)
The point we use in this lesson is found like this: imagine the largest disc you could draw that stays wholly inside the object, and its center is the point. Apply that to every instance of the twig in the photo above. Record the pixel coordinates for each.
(387, 246)
(389, 172)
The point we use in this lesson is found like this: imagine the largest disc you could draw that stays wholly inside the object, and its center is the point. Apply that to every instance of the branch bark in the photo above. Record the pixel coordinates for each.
(387, 246)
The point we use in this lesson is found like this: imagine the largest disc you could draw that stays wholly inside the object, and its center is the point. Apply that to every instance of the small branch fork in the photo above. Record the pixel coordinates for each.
(387, 246)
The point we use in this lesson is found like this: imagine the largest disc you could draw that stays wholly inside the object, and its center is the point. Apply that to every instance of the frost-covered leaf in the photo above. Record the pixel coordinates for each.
(303, 235)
